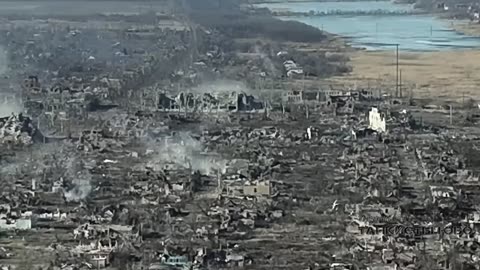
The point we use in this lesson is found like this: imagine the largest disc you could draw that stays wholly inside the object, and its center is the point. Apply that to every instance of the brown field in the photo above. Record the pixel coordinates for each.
(467, 28)
(446, 75)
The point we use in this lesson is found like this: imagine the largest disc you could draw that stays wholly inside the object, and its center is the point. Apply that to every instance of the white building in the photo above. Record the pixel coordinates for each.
(377, 121)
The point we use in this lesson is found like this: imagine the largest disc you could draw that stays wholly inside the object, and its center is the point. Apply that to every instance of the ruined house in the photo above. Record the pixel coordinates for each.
(438, 192)
(366, 95)
(17, 130)
(292, 69)
(237, 189)
(376, 213)
(341, 102)
(171, 262)
(99, 258)
(294, 97)
(210, 102)
(444, 196)
(32, 84)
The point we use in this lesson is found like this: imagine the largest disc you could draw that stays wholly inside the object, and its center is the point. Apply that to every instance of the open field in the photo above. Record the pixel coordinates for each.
(467, 28)
(446, 75)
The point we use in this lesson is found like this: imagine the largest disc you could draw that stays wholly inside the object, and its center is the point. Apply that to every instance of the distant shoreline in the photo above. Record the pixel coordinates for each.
(43, 1)
(254, 2)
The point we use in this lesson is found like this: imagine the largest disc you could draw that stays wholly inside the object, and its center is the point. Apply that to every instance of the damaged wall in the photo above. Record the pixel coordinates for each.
(217, 96)
(16, 129)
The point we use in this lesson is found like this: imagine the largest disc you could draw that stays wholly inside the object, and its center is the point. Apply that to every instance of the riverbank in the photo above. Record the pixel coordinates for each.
(303, 1)
(423, 74)
(467, 28)
(379, 12)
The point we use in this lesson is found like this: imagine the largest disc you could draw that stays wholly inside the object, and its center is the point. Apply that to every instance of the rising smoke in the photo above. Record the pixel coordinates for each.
(267, 61)
(9, 106)
(222, 86)
(80, 178)
(81, 188)
(185, 151)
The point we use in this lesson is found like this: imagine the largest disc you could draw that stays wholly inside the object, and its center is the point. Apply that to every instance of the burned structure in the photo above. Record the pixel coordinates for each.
(18, 130)
(139, 169)
(210, 102)
(342, 102)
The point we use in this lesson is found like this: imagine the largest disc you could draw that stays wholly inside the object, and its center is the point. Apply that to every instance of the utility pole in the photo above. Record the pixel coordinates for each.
(164, 97)
(451, 114)
(400, 84)
(397, 71)
(185, 98)
(303, 83)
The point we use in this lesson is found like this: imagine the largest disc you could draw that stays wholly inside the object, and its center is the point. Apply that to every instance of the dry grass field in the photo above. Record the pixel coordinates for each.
(445, 75)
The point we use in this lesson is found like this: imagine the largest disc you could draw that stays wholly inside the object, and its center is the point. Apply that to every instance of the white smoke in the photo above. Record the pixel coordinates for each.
(267, 62)
(33, 162)
(81, 181)
(81, 189)
(222, 86)
(10, 169)
(9, 106)
(187, 152)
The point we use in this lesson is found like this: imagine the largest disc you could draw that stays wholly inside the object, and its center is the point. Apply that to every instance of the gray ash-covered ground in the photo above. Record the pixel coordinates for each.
(133, 142)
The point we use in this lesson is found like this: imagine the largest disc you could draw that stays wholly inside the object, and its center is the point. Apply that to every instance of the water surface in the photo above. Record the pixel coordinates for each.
(332, 6)
(411, 32)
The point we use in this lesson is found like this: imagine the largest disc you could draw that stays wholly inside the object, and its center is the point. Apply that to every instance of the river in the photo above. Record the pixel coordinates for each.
(411, 32)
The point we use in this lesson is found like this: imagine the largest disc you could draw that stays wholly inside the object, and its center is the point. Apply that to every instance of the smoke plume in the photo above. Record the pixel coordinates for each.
(80, 178)
(9, 106)
(222, 86)
(267, 61)
(80, 190)
(187, 152)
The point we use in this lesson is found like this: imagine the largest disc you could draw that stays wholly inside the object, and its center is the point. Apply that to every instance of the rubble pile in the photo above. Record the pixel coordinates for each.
(140, 169)
(16, 130)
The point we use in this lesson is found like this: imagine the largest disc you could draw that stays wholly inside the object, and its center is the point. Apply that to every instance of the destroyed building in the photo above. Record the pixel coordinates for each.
(18, 130)
(140, 169)
(206, 103)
